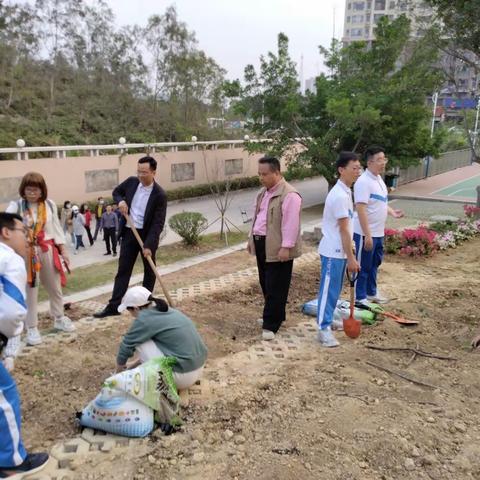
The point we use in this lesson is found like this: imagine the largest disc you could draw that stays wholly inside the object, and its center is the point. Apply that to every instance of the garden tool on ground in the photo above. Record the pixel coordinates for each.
(351, 326)
(149, 259)
(377, 309)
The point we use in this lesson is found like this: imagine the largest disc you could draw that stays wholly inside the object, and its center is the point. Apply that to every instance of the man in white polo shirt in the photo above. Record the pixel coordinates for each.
(335, 248)
(371, 202)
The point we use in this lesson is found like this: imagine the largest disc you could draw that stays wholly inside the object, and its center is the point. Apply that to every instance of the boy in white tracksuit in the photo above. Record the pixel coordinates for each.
(13, 309)
(335, 248)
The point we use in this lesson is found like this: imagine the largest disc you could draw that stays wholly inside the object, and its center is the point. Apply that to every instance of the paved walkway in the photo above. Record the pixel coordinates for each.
(313, 191)
(428, 187)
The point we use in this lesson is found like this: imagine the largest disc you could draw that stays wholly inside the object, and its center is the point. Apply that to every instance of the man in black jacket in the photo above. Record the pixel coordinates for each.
(146, 202)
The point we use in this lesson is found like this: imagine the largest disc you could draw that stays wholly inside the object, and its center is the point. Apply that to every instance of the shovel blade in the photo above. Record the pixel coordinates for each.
(352, 327)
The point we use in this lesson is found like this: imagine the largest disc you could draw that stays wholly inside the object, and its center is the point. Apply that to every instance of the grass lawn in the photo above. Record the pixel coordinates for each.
(83, 278)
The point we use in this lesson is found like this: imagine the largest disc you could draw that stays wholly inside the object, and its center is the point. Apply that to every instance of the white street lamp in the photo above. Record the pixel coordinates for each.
(20, 143)
(194, 138)
(122, 141)
(246, 138)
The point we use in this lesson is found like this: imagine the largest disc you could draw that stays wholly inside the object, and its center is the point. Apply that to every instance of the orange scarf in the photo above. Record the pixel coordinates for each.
(35, 236)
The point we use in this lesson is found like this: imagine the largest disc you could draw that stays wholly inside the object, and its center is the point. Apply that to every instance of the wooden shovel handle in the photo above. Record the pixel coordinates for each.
(149, 259)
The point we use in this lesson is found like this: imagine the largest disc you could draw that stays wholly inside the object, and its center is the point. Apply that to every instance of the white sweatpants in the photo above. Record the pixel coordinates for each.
(149, 350)
(50, 279)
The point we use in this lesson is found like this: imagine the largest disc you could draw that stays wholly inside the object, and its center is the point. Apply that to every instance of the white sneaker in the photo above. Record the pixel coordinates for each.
(378, 298)
(9, 363)
(327, 338)
(64, 324)
(13, 347)
(260, 321)
(337, 324)
(33, 337)
(364, 301)
(268, 335)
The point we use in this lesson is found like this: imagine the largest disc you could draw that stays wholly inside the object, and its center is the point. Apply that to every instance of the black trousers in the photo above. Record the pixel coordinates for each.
(110, 236)
(275, 278)
(89, 234)
(128, 255)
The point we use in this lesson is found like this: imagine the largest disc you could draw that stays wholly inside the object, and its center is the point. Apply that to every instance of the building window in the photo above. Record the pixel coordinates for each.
(357, 19)
(349, 7)
(377, 17)
(356, 32)
(380, 4)
(348, 19)
(358, 6)
(392, 5)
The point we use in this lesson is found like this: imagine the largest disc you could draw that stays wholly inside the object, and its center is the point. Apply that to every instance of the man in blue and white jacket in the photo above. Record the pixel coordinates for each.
(371, 202)
(335, 248)
(14, 460)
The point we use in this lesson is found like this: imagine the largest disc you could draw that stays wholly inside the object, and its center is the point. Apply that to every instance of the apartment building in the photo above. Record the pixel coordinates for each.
(361, 17)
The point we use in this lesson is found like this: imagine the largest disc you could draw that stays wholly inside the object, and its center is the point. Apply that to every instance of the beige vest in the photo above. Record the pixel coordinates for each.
(273, 240)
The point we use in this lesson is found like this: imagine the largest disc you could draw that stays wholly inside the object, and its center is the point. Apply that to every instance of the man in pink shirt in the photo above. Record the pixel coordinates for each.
(275, 241)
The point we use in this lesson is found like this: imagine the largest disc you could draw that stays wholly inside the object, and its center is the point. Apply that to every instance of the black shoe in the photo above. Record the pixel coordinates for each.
(34, 462)
(114, 254)
(108, 311)
(108, 253)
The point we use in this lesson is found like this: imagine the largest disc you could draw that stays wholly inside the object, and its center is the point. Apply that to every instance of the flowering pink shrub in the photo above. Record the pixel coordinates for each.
(392, 240)
(471, 211)
(418, 241)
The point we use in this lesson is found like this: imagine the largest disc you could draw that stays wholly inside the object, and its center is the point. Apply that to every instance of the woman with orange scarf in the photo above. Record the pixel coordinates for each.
(44, 261)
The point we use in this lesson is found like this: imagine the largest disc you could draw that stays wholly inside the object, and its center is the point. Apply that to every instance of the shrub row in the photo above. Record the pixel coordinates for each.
(426, 240)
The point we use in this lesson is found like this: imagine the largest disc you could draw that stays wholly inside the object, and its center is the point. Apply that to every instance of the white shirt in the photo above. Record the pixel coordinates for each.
(13, 281)
(371, 190)
(139, 204)
(338, 205)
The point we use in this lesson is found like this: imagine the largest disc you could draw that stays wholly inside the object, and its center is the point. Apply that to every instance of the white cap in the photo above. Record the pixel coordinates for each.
(75, 208)
(135, 297)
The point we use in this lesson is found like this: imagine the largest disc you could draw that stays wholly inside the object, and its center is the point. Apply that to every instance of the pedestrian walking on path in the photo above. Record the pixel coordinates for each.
(46, 253)
(109, 224)
(78, 228)
(146, 203)
(371, 201)
(99, 211)
(275, 241)
(87, 214)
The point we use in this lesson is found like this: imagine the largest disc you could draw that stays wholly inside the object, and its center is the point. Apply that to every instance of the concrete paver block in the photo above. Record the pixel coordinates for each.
(65, 452)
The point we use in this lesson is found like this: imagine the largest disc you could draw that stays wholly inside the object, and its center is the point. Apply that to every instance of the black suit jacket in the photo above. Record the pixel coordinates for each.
(155, 211)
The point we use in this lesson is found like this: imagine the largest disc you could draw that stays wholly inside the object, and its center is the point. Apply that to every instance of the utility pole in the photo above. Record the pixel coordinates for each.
(435, 100)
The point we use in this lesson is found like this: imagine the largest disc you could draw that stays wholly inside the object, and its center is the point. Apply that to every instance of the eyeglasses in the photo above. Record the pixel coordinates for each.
(24, 230)
(381, 160)
(33, 190)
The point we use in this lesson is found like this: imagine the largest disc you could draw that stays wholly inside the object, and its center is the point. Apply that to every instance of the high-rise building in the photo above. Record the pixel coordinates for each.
(361, 17)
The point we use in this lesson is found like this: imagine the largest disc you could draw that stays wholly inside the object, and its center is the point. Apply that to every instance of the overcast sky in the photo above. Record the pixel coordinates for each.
(236, 32)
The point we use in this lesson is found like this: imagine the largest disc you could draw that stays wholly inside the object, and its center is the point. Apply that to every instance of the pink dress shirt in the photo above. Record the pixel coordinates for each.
(290, 217)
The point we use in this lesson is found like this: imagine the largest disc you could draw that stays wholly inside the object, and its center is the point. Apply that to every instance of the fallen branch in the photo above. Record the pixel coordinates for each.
(402, 375)
(412, 350)
(358, 397)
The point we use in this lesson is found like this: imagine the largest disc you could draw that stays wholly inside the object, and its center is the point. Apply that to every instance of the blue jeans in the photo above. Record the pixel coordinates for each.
(12, 451)
(331, 281)
(369, 263)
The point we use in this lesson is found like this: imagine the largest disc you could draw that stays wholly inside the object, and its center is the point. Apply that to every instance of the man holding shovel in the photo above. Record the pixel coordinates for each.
(335, 248)
(146, 203)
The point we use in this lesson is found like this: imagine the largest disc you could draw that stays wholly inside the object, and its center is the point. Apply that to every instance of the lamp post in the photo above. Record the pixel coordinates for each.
(21, 144)
(435, 100)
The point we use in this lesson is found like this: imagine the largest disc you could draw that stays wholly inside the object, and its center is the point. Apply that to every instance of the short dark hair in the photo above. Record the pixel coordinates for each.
(344, 158)
(151, 161)
(7, 220)
(65, 203)
(100, 198)
(372, 151)
(272, 161)
(33, 179)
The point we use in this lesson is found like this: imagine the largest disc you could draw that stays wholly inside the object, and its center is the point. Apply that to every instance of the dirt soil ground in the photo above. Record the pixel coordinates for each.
(318, 413)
